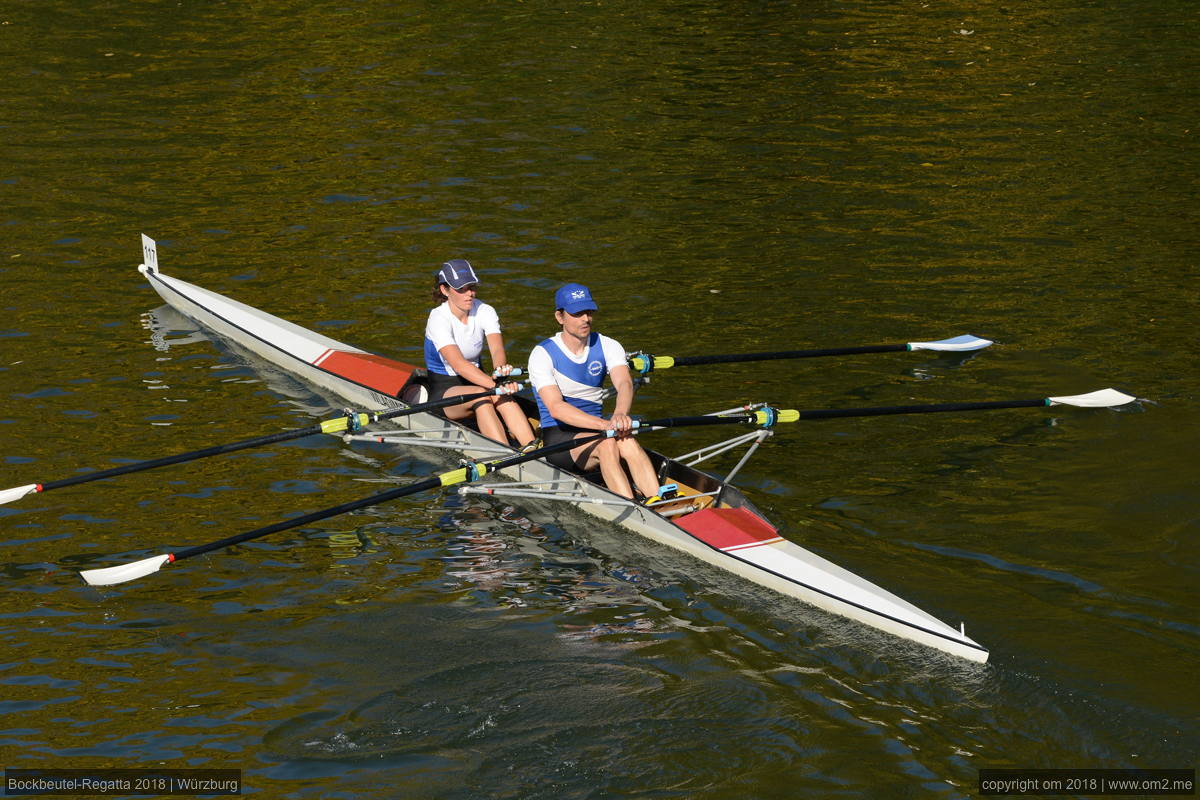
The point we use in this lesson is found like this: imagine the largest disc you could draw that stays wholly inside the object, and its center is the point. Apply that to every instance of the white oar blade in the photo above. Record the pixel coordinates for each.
(10, 495)
(125, 572)
(959, 344)
(1102, 398)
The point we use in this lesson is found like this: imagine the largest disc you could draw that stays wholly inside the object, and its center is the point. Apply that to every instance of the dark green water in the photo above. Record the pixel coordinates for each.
(728, 177)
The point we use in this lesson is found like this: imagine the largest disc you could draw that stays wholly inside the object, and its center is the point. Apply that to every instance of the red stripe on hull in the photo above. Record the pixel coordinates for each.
(381, 374)
(728, 528)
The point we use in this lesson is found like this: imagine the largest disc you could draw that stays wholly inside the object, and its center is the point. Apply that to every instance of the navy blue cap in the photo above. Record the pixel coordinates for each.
(457, 273)
(573, 298)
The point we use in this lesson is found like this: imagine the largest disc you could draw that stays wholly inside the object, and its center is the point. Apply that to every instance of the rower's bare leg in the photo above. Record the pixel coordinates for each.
(484, 412)
(489, 422)
(585, 455)
(611, 470)
(515, 420)
(639, 465)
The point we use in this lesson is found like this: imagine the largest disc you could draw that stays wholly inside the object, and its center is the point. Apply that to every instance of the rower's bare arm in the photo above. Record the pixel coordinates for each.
(495, 343)
(622, 382)
(454, 357)
(563, 411)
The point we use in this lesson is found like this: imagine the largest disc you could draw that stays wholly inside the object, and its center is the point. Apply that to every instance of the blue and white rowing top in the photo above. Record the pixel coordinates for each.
(579, 378)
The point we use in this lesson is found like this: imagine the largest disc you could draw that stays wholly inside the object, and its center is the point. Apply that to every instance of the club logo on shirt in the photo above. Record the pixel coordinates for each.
(595, 368)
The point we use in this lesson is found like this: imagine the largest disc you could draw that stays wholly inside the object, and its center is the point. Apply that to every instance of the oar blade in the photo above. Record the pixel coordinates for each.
(16, 493)
(1102, 398)
(958, 344)
(124, 572)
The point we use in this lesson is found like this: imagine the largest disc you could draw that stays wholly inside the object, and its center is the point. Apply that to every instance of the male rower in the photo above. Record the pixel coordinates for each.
(567, 374)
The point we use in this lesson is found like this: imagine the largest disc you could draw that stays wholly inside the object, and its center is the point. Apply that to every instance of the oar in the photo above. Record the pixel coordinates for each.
(351, 421)
(644, 362)
(472, 472)
(1102, 398)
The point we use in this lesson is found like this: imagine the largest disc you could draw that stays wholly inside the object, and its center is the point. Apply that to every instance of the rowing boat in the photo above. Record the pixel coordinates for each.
(709, 519)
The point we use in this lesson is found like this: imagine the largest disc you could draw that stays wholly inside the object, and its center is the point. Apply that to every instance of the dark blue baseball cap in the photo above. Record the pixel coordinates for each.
(457, 273)
(573, 298)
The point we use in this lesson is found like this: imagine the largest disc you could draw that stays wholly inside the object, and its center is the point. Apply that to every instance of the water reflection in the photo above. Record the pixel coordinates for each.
(536, 568)
(168, 328)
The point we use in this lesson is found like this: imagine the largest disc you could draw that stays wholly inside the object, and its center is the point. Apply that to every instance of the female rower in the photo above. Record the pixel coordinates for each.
(455, 334)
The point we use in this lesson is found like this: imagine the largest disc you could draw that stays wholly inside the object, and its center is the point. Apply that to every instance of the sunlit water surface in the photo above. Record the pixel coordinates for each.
(727, 178)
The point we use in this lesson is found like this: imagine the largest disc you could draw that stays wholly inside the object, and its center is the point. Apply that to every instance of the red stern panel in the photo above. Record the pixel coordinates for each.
(381, 374)
(729, 528)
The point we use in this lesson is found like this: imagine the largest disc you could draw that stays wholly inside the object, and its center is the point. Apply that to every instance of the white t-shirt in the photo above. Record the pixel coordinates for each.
(443, 328)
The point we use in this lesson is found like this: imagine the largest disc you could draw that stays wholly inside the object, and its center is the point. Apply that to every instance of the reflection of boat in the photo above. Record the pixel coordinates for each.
(169, 328)
(164, 321)
(709, 519)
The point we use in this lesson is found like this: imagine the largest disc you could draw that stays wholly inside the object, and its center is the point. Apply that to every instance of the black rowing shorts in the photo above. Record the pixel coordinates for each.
(563, 459)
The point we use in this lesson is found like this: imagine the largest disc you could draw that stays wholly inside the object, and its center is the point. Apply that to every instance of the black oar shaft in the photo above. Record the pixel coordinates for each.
(433, 405)
(180, 458)
(315, 516)
(832, 413)
(781, 354)
(684, 422)
(261, 441)
(376, 499)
